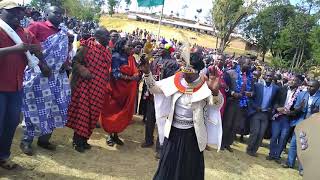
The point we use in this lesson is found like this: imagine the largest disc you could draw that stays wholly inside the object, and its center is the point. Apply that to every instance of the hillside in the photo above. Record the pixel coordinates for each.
(120, 22)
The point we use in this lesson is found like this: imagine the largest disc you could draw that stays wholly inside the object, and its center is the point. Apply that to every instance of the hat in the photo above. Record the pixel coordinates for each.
(9, 4)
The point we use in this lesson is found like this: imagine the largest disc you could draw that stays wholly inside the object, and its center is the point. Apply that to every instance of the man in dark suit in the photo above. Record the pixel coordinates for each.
(307, 103)
(260, 110)
(285, 102)
(238, 97)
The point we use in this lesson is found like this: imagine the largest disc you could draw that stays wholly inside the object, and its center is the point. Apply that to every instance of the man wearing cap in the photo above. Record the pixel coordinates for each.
(12, 64)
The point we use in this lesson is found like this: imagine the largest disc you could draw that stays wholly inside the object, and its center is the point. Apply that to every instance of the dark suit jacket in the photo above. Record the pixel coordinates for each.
(281, 97)
(258, 97)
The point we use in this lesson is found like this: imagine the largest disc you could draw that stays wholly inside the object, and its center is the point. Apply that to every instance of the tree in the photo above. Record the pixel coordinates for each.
(111, 6)
(227, 15)
(264, 29)
(314, 40)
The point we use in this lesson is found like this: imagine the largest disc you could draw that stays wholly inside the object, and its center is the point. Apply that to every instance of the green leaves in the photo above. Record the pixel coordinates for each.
(85, 10)
(227, 15)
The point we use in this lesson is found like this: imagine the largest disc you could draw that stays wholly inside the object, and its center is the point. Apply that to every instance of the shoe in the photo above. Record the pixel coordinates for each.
(286, 166)
(278, 161)
(26, 149)
(222, 148)
(146, 145)
(157, 156)
(301, 173)
(229, 148)
(110, 141)
(241, 139)
(87, 146)
(252, 154)
(117, 140)
(78, 147)
(269, 158)
(47, 146)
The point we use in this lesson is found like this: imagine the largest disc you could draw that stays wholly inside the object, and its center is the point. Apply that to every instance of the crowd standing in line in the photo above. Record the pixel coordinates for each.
(197, 96)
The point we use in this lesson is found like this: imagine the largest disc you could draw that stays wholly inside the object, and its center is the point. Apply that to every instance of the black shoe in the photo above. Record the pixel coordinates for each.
(26, 149)
(117, 140)
(47, 146)
(87, 146)
(229, 148)
(278, 161)
(146, 145)
(110, 141)
(241, 139)
(269, 158)
(78, 147)
(252, 154)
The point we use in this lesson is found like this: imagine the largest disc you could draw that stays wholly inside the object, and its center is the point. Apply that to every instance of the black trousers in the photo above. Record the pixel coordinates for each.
(150, 123)
(234, 121)
(258, 126)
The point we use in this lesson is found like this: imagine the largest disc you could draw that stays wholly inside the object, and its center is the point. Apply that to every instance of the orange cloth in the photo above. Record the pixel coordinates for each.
(119, 103)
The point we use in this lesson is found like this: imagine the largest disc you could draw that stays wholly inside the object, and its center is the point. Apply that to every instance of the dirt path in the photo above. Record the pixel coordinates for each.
(131, 162)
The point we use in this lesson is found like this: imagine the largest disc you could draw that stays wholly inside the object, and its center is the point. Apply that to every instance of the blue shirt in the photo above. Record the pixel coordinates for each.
(266, 100)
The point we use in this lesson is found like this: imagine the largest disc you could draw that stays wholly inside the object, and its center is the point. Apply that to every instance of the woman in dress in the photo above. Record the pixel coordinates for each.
(191, 104)
(119, 103)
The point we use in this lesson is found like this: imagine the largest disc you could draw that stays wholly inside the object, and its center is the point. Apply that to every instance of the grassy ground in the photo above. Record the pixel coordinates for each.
(120, 22)
(130, 162)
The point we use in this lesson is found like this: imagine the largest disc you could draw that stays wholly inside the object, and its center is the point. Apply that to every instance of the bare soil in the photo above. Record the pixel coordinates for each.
(131, 162)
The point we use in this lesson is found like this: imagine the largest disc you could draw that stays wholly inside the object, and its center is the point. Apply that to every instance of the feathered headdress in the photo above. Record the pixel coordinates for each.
(185, 51)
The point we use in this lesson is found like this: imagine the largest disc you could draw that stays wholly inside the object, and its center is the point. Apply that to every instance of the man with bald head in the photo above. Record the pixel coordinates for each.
(46, 99)
(89, 81)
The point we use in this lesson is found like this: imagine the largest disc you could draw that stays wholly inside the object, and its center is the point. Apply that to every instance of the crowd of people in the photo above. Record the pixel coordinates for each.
(88, 77)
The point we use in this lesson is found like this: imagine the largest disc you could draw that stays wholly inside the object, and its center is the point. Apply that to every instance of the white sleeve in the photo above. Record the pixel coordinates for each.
(151, 84)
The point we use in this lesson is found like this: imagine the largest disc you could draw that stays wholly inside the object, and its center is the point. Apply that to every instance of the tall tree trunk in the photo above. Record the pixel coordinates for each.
(217, 41)
(294, 60)
(263, 55)
(301, 57)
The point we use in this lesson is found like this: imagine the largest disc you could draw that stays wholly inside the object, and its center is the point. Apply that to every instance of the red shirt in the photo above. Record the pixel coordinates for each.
(42, 30)
(12, 65)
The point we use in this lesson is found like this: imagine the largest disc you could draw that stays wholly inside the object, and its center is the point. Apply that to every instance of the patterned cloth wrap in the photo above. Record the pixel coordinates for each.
(88, 95)
(46, 99)
(239, 88)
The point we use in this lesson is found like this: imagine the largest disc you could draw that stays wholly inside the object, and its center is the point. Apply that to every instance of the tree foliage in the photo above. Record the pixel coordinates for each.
(111, 6)
(227, 15)
(85, 10)
(290, 33)
(264, 29)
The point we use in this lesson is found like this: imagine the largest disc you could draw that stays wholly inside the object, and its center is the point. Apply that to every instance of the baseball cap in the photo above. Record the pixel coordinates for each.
(9, 4)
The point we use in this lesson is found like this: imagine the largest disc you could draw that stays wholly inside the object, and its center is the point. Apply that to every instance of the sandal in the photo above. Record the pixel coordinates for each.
(8, 165)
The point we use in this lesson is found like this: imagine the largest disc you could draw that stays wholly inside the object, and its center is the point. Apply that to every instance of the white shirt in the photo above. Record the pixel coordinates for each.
(289, 95)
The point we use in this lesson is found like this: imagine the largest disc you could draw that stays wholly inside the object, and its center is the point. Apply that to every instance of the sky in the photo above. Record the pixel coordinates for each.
(175, 6)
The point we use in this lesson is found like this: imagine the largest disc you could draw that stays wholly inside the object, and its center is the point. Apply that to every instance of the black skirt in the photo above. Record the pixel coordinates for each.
(181, 158)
